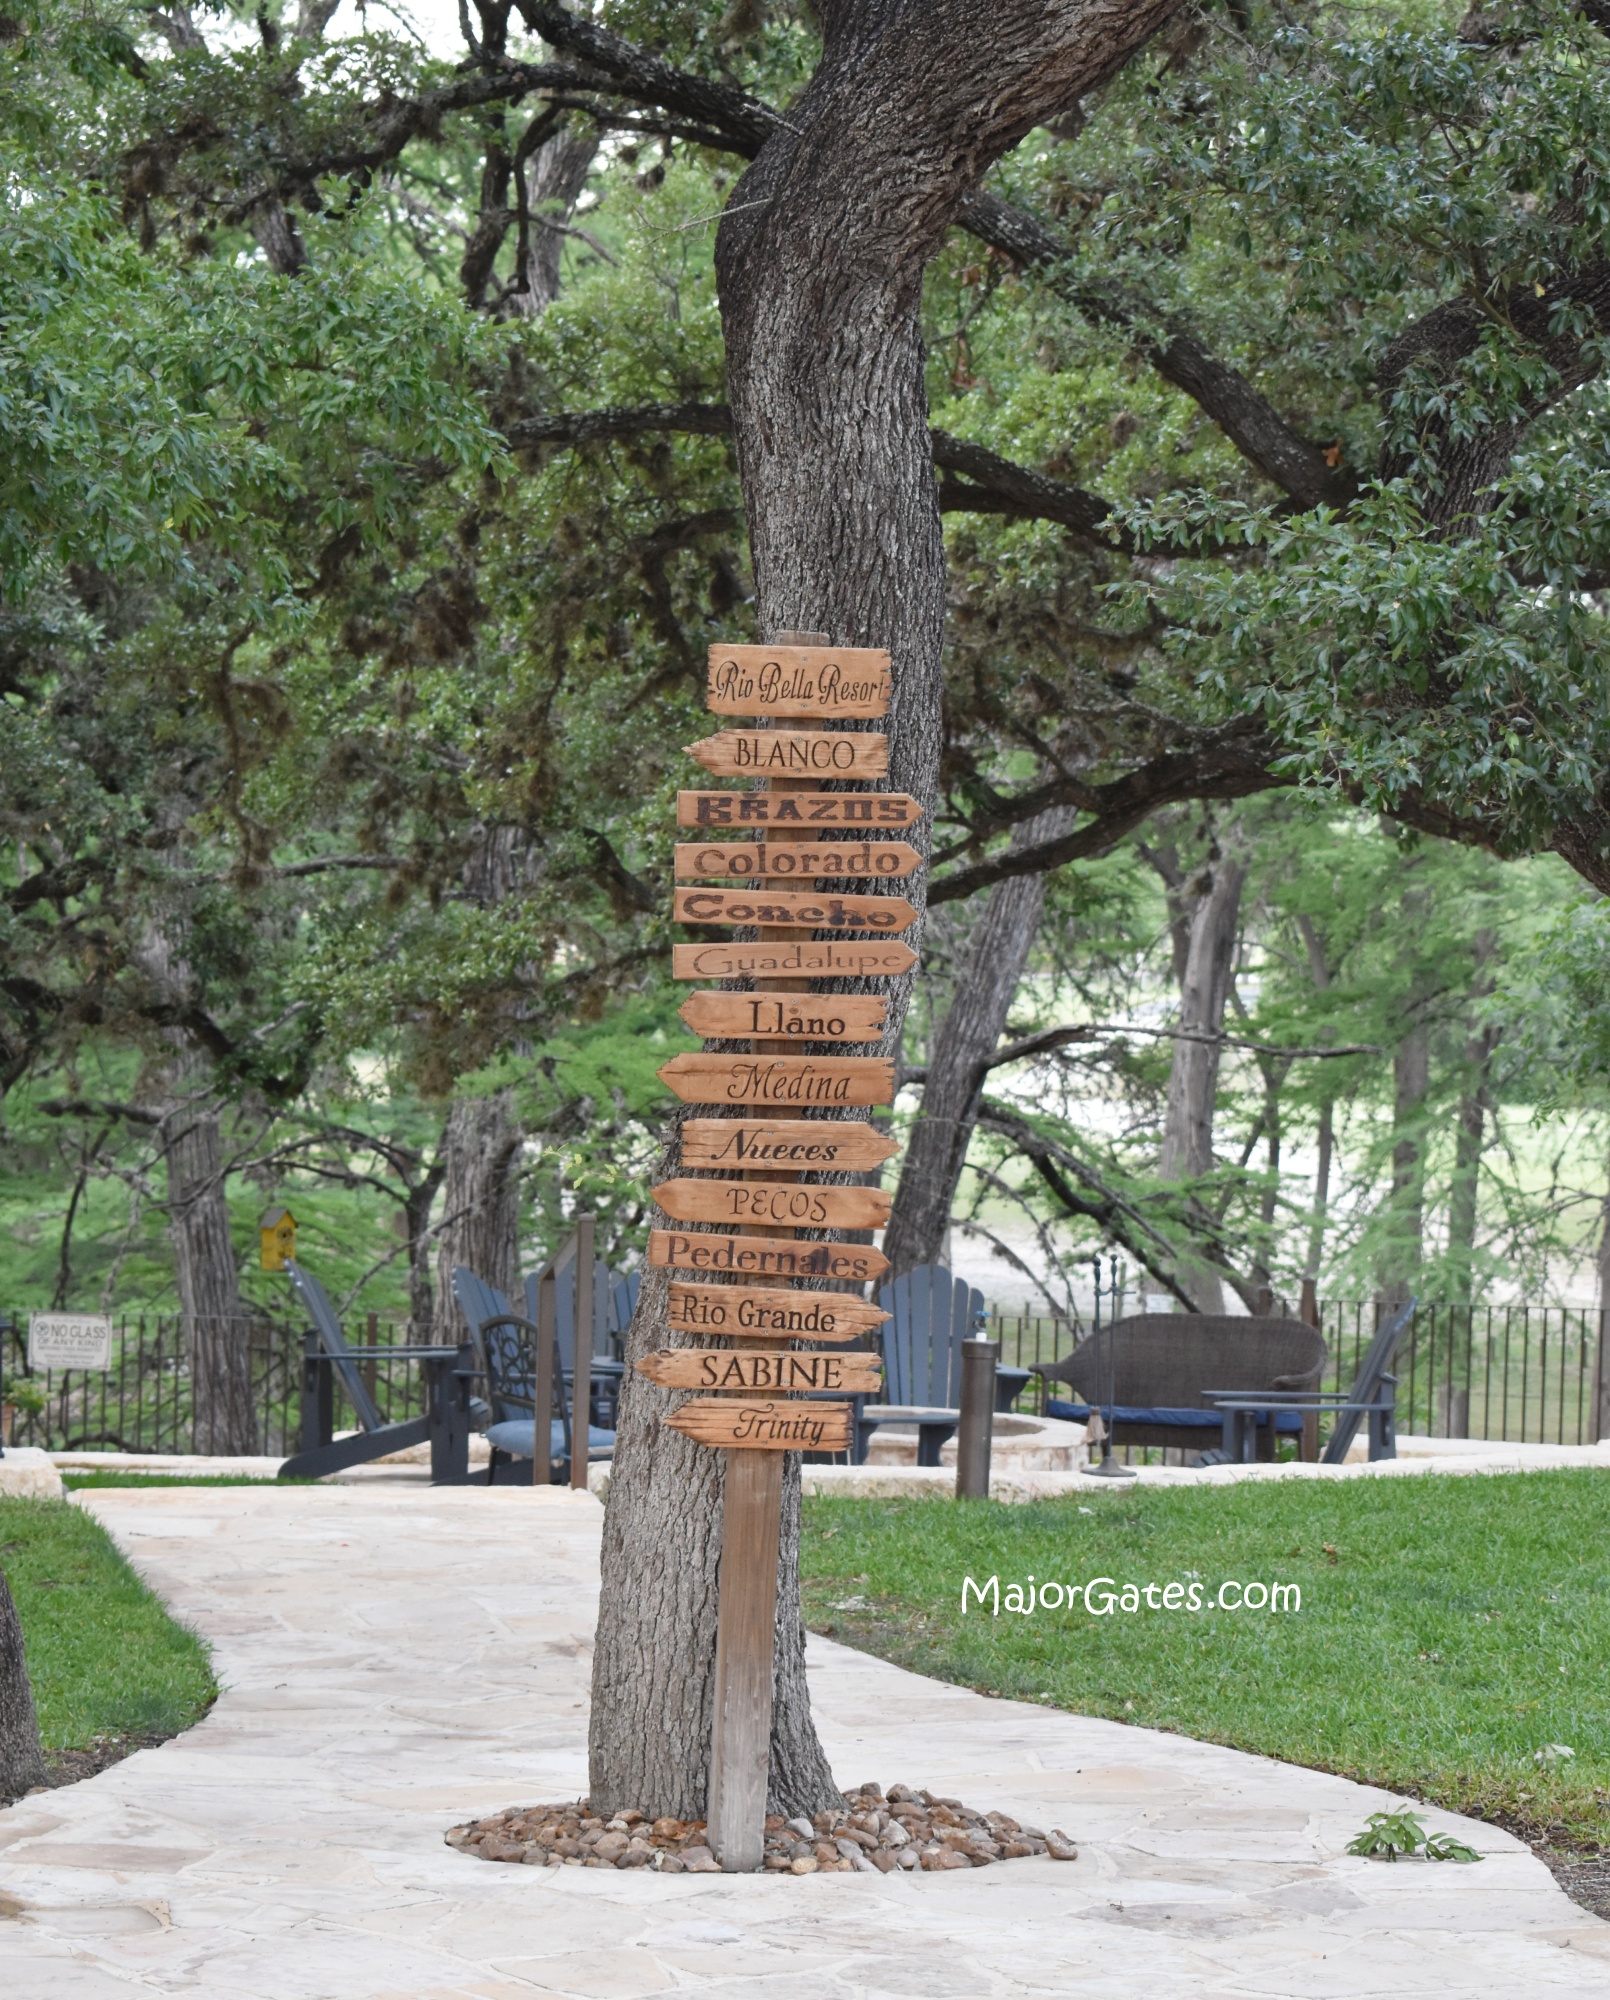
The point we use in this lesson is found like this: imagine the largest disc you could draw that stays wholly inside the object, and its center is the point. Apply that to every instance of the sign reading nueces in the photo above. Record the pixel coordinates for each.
(835, 1017)
(782, 1372)
(769, 1426)
(757, 1314)
(815, 1145)
(798, 681)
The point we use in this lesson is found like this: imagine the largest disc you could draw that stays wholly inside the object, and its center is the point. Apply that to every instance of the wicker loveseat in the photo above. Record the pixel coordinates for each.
(1162, 1364)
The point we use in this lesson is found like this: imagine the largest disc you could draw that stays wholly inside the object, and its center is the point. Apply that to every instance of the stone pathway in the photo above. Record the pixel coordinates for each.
(395, 1660)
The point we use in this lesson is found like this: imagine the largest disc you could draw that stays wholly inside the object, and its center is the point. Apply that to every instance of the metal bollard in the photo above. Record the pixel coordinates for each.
(978, 1413)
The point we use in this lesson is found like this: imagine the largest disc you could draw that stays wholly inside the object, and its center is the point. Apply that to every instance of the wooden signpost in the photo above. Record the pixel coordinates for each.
(762, 1396)
(791, 753)
(823, 911)
(853, 861)
(778, 1204)
(797, 812)
(749, 1312)
(833, 1017)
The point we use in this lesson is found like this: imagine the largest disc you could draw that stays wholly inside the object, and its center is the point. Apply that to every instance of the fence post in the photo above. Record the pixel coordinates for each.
(1599, 1422)
(582, 1343)
(973, 1434)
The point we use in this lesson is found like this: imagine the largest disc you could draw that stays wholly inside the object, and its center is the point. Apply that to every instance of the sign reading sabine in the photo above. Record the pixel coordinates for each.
(762, 1370)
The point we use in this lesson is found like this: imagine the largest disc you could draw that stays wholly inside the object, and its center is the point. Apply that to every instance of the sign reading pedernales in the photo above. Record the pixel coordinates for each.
(802, 870)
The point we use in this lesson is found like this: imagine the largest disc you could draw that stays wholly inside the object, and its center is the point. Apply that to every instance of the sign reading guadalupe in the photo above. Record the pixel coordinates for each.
(820, 958)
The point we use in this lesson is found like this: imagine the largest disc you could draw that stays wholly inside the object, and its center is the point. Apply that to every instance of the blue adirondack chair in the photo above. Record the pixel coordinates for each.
(931, 1313)
(614, 1300)
(507, 1346)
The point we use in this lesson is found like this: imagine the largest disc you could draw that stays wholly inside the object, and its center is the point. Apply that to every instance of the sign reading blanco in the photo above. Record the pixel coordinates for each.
(69, 1340)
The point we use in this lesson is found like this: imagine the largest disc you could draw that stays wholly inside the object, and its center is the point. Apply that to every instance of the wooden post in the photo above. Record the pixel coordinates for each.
(976, 1429)
(542, 1374)
(751, 1523)
(582, 1378)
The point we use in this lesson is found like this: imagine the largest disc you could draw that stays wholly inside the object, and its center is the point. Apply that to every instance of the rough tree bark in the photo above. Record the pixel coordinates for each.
(480, 1204)
(22, 1764)
(1601, 1425)
(1405, 1215)
(1464, 1194)
(553, 183)
(216, 1321)
(986, 985)
(820, 262)
(1210, 910)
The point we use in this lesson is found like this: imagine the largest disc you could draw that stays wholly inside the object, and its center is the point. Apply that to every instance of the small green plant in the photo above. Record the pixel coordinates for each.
(27, 1397)
(1387, 1835)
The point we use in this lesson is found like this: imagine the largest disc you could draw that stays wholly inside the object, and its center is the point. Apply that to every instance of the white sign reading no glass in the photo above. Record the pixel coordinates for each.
(69, 1340)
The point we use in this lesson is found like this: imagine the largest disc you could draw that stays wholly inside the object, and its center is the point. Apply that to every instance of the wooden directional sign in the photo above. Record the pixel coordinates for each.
(818, 1145)
(764, 1256)
(798, 681)
(750, 1312)
(702, 1079)
(793, 753)
(756, 1426)
(830, 1017)
(751, 1369)
(797, 812)
(782, 1204)
(818, 860)
(812, 958)
(827, 911)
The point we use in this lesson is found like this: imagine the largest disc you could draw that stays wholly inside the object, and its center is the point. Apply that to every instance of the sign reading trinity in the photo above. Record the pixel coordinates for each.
(809, 873)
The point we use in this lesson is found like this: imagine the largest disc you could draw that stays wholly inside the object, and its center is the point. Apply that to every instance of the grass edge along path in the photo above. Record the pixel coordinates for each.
(1452, 1643)
(112, 1671)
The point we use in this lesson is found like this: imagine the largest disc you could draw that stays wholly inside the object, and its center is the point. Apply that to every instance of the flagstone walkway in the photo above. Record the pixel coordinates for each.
(395, 1660)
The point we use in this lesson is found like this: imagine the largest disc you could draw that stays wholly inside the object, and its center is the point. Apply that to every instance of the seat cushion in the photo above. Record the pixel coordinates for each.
(1199, 1420)
(518, 1438)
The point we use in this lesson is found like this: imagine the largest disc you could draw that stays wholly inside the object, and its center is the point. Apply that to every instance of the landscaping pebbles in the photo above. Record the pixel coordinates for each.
(874, 1831)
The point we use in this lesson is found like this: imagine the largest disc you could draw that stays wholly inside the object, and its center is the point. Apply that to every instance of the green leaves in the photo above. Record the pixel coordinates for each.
(1387, 1835)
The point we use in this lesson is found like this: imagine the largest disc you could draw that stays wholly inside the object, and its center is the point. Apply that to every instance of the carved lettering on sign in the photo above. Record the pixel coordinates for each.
(751, 1312)
(887, 915)
(764, 1256)
(798, 681)
(849, 860)
(741, 1426)
(702, 1079)
(782, 1373)
(815, 958)
(783, 1204)
(753, 1144)
(797, 812)
(834, 1017)
(793, 753)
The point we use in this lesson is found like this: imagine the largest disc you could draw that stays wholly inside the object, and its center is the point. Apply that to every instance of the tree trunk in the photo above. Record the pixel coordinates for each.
(480, 1205)
(936, 1150)
(819, 263)
(22, 1764)
(554, 179)
(1405, 1237)
(1601, 1417)
(1319, 972)
(1214, 906)
(1464, 1194)
(216, 1322)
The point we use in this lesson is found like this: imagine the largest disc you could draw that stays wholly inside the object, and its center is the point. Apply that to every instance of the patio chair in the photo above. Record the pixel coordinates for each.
(614, 1300)
(1373, 1396)
(1163, 1365)
(508, 1346)
(445, 1425)
(931, 1312)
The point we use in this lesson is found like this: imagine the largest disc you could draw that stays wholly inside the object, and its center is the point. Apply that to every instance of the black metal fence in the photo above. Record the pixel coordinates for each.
(1520, 1374)
(143, 1403)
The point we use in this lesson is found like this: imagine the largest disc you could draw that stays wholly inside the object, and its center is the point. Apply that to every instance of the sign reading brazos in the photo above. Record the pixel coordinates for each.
(795, 850)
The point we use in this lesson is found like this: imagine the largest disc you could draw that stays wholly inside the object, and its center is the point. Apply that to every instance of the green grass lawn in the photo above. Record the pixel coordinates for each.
(1450, 1630)
(110, 1669)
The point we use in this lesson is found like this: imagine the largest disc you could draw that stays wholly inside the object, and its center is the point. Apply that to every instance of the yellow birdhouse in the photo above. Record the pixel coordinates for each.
(276, 1239)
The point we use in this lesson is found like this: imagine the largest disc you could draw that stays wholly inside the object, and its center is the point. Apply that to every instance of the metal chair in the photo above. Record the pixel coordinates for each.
(931, 1312)
(1373, 1396)
(520, 1359)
